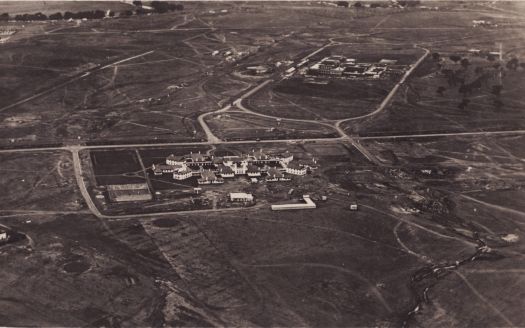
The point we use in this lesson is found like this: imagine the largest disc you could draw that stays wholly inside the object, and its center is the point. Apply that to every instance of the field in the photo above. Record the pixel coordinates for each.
(38, 182)
(339, 99)
(242, 126)
(436, 240)
(256, 266)
(479, 109)
(116, 167)
(91, 278)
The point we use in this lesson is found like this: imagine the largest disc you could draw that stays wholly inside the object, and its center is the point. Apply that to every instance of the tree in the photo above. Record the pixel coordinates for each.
(126, 13)
(496, 89)
(498, 103)
(160, 6)
(56, 16)
(491, 57)
(455, 58)
(478, 70)
(464, 103)
(137, 3)
(141, 11)
(436, 56)
(440, 90)
(68, 15)
(513, 64)
(358, 4)
(98, 14)
(465, 62)
(409, 3)
(464, 89)
(342, 4)
(39, 17)
(4, 17)
(173, 7)
(476, 84)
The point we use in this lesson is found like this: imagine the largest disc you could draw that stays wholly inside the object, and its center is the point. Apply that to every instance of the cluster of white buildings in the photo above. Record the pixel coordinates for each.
(5, 35)
(213, 170)
(484, 23)
(340, 66)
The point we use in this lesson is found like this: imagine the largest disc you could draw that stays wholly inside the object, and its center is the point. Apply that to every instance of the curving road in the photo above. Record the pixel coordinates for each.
(389, 97)
(212, 139)
(238, 103)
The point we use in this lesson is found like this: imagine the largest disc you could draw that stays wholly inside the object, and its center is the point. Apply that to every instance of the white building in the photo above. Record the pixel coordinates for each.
(182, 174)
(241, 197)
(286, 158)
(3, 235)
(239, 168)
(308, 204)
(175, 160)
(295, 169)
(259, 69)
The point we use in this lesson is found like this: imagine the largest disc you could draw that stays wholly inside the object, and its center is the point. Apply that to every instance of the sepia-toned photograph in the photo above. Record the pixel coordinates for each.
(251, 163)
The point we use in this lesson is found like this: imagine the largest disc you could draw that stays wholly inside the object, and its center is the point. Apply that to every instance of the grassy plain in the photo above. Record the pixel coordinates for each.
(437, 239)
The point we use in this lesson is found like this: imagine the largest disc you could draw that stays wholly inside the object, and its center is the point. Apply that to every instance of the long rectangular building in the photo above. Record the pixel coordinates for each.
(129, 192)
(308, 204)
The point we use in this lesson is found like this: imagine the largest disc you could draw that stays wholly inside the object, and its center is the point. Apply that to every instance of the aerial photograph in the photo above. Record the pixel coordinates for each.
(262, 163)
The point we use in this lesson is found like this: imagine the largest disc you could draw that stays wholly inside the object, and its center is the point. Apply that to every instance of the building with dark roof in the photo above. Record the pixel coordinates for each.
(253, 171)
(274, 174)
(209, 177)
(225, 171)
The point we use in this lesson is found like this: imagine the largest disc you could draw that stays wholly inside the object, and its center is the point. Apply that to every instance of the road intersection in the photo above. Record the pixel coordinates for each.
(212, 139)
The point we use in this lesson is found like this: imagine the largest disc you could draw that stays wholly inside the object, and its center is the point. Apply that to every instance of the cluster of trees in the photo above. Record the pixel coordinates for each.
(89, 14)
(409, 3)
(475, 81)
(402, 3)
(158, 7)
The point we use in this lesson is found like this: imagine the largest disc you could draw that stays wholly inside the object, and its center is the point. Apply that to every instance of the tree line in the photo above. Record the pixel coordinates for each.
(157, 7)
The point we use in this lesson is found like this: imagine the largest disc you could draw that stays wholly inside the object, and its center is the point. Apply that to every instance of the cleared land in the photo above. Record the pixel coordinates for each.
(41, 181)
(297, 97)
(242, 126)
(437, 239)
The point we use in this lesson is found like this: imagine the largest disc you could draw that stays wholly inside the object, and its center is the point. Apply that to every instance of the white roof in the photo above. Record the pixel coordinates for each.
(240, 195)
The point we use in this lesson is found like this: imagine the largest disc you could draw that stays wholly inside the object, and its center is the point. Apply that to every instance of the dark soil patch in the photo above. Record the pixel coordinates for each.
(166, 223)
(76, 267)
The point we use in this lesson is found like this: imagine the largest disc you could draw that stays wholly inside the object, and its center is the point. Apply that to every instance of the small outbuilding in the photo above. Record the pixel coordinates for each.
(3, 235)
(240, 197)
